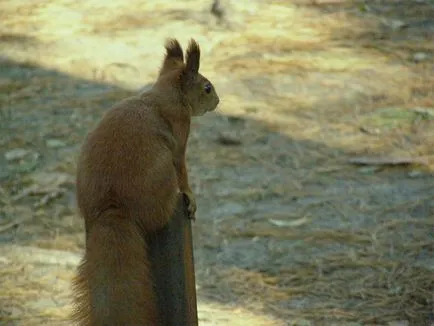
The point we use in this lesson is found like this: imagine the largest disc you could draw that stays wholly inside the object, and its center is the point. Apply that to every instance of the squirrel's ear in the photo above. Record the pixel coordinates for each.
(193, 57)
(174, 56)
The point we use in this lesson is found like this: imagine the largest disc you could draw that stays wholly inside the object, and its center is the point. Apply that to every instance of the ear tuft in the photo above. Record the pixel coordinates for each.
(174, 50)
(174, 56)
(193, 57)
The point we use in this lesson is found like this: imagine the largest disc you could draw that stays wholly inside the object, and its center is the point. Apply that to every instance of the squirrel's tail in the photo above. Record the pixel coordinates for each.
(113, 285)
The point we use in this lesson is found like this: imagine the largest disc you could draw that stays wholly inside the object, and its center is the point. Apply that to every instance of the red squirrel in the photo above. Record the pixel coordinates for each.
(130, 173)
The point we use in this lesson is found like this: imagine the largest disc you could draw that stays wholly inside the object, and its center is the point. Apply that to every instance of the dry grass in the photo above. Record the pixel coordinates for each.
(363, 284)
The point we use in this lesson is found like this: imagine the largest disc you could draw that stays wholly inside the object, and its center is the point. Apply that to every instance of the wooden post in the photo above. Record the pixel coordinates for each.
(171, 252)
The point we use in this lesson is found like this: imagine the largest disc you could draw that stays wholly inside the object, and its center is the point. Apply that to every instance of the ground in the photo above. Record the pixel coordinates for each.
(313, 178)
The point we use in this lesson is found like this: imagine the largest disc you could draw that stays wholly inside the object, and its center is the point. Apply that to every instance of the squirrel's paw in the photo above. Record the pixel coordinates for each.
(191, 204)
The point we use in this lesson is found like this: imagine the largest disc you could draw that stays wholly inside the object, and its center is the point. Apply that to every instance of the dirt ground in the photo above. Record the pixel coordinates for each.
(314, 177)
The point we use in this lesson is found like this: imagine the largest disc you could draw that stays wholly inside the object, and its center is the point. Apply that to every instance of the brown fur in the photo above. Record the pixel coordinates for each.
(130, 172)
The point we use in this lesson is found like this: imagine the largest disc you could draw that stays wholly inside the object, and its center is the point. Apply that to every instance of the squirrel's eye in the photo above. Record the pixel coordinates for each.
(208, 88)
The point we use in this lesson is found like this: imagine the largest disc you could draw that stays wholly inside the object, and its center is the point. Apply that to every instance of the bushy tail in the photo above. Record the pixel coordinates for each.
(113, 285)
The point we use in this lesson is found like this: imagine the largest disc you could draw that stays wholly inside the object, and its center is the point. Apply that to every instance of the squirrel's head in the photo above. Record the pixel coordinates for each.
(196, 89)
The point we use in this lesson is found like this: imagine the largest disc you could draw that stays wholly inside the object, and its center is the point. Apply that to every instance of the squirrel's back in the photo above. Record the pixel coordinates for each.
(126, 163)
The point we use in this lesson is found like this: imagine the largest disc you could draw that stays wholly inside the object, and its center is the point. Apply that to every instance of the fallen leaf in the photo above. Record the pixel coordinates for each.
(293, 223)
(53, 179)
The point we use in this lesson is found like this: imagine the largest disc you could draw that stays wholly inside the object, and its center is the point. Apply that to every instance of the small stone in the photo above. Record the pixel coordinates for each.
(229, 139)
(16, 154)
(55, 143)
(217, 9)
(396, 24)
(368, 169)
(416, 174)
(420, 56)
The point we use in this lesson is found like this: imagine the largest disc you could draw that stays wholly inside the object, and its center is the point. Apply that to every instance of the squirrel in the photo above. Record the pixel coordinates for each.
(130, 173)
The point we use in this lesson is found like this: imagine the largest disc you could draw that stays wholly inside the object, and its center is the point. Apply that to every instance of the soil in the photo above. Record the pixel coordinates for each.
(314, 178)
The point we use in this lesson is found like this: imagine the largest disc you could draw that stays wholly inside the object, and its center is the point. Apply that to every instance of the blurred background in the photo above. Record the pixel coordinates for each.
(314, 178)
